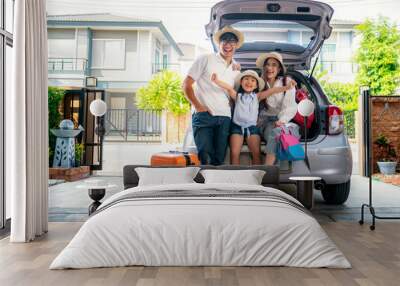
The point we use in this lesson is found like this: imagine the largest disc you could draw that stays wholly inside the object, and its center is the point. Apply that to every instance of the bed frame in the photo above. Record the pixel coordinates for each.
(270, 179)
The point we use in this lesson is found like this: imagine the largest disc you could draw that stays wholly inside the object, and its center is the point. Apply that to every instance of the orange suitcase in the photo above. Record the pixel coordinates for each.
(174, 158)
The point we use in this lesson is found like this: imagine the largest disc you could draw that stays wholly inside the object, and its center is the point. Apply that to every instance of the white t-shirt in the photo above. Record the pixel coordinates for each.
(207, 92)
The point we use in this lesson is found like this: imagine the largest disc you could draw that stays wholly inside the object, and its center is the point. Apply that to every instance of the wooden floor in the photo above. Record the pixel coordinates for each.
(375, 257)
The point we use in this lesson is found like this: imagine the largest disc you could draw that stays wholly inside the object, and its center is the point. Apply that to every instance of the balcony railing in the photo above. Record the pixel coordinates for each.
(156, 67)
(133, 125)
(67, 65)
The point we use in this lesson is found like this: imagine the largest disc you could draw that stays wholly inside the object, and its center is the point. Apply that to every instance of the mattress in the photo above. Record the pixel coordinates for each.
(201, 225)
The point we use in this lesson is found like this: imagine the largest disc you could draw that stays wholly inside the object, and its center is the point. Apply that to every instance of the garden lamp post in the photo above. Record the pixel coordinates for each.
(306, 108)
(98, 108)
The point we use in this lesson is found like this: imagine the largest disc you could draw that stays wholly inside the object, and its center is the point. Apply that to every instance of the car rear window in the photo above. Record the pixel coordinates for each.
(275, 31)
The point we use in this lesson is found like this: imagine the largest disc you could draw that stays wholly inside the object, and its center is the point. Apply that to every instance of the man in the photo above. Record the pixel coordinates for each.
(212, 117)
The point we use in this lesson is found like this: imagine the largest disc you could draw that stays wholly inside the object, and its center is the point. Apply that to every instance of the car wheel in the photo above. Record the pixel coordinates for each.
(336, 194)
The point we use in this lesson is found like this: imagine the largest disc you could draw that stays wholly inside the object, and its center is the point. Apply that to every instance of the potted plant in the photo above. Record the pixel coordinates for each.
(79, 149)
(386, 156)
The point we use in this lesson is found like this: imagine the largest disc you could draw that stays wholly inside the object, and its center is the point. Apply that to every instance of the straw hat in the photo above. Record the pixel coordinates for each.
(229, 29)
(238, 79)
(263, 57)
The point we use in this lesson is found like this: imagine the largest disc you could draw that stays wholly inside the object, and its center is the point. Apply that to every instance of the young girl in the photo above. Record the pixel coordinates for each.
(245, 114)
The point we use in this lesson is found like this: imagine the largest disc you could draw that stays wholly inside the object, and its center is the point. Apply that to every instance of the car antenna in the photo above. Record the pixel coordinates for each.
(315, 63)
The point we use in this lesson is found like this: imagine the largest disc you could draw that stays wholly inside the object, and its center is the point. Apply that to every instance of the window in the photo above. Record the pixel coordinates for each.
(346, 39)
(294, 37)
(274, 31)
(6, 43)
(62, 43)
(328, 57)
(157, 66)
(165, 61)
(9, 19)
(108, 54)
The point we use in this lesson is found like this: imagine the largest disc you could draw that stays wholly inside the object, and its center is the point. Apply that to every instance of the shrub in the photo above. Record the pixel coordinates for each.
(163, 92)
(55, 96)
(386, 152)
(79, 149)
(345, 96)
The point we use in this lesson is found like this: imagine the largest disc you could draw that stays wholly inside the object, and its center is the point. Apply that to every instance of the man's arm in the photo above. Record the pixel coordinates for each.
(189, 92)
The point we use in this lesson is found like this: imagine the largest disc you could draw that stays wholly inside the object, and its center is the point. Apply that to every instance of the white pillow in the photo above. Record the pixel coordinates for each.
(248, 177)
(166, 176)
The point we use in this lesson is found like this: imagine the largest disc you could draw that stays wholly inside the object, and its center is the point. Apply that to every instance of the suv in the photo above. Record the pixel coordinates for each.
(296, 29)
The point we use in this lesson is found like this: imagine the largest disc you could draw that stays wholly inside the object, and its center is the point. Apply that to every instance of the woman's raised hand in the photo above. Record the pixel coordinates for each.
(214, 77)
(291, 84)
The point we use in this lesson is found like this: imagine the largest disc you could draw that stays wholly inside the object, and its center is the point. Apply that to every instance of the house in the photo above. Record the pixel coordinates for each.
(190, 53)
(122, 54)
(336, 55)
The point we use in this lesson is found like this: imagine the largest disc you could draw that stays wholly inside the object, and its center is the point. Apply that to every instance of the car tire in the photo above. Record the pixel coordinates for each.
(336, 194)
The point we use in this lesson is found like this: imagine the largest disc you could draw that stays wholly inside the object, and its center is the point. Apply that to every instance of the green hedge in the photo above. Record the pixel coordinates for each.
(55, 96)
(345, 96)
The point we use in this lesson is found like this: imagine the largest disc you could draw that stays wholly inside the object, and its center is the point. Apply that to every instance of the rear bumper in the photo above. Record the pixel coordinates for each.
(333, 164)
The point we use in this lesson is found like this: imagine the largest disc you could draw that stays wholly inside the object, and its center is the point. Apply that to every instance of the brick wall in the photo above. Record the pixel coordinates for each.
(385, 121)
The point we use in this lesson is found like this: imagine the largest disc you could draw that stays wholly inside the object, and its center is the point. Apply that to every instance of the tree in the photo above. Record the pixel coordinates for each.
(378, 56)
(163, 92)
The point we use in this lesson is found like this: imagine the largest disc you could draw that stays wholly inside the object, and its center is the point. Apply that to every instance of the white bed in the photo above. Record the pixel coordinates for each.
(206, 230)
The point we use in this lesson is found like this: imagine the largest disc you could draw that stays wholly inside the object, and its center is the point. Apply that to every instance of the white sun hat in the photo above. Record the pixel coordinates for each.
(263, 57)
(229, 29)
(261, 82)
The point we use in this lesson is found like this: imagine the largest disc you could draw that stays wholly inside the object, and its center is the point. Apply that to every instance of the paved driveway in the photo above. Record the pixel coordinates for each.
(68, 203)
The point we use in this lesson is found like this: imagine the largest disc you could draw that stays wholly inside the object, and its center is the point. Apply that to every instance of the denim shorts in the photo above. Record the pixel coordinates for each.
(252, 130)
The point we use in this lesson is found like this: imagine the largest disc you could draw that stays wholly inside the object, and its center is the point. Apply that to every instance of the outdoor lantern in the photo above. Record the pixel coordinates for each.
(98, 108)
(305, 108)
(91, 81)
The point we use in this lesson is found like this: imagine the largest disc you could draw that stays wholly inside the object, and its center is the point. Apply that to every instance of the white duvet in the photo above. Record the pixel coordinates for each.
(200, 231)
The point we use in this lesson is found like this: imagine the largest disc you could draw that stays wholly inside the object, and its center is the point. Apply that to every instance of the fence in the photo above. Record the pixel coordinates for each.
(133, 125)
(67, 64)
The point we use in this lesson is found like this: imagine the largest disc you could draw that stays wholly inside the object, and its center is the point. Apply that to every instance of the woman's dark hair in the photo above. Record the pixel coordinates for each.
(280, 74)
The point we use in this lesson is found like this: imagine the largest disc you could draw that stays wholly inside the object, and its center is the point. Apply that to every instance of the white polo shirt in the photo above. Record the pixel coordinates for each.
(208, 93)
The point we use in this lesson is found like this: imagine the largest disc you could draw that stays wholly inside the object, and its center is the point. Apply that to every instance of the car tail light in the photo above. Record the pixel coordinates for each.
(335, 120)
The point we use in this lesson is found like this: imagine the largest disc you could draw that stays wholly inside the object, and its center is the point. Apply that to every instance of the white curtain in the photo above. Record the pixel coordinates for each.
(27, 123)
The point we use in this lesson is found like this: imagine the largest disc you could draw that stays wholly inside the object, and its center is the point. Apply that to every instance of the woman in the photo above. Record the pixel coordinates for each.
(279, 108)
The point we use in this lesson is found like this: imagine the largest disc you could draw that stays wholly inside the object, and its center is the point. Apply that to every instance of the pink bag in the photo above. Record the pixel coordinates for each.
(287, 139)
(290, 148)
